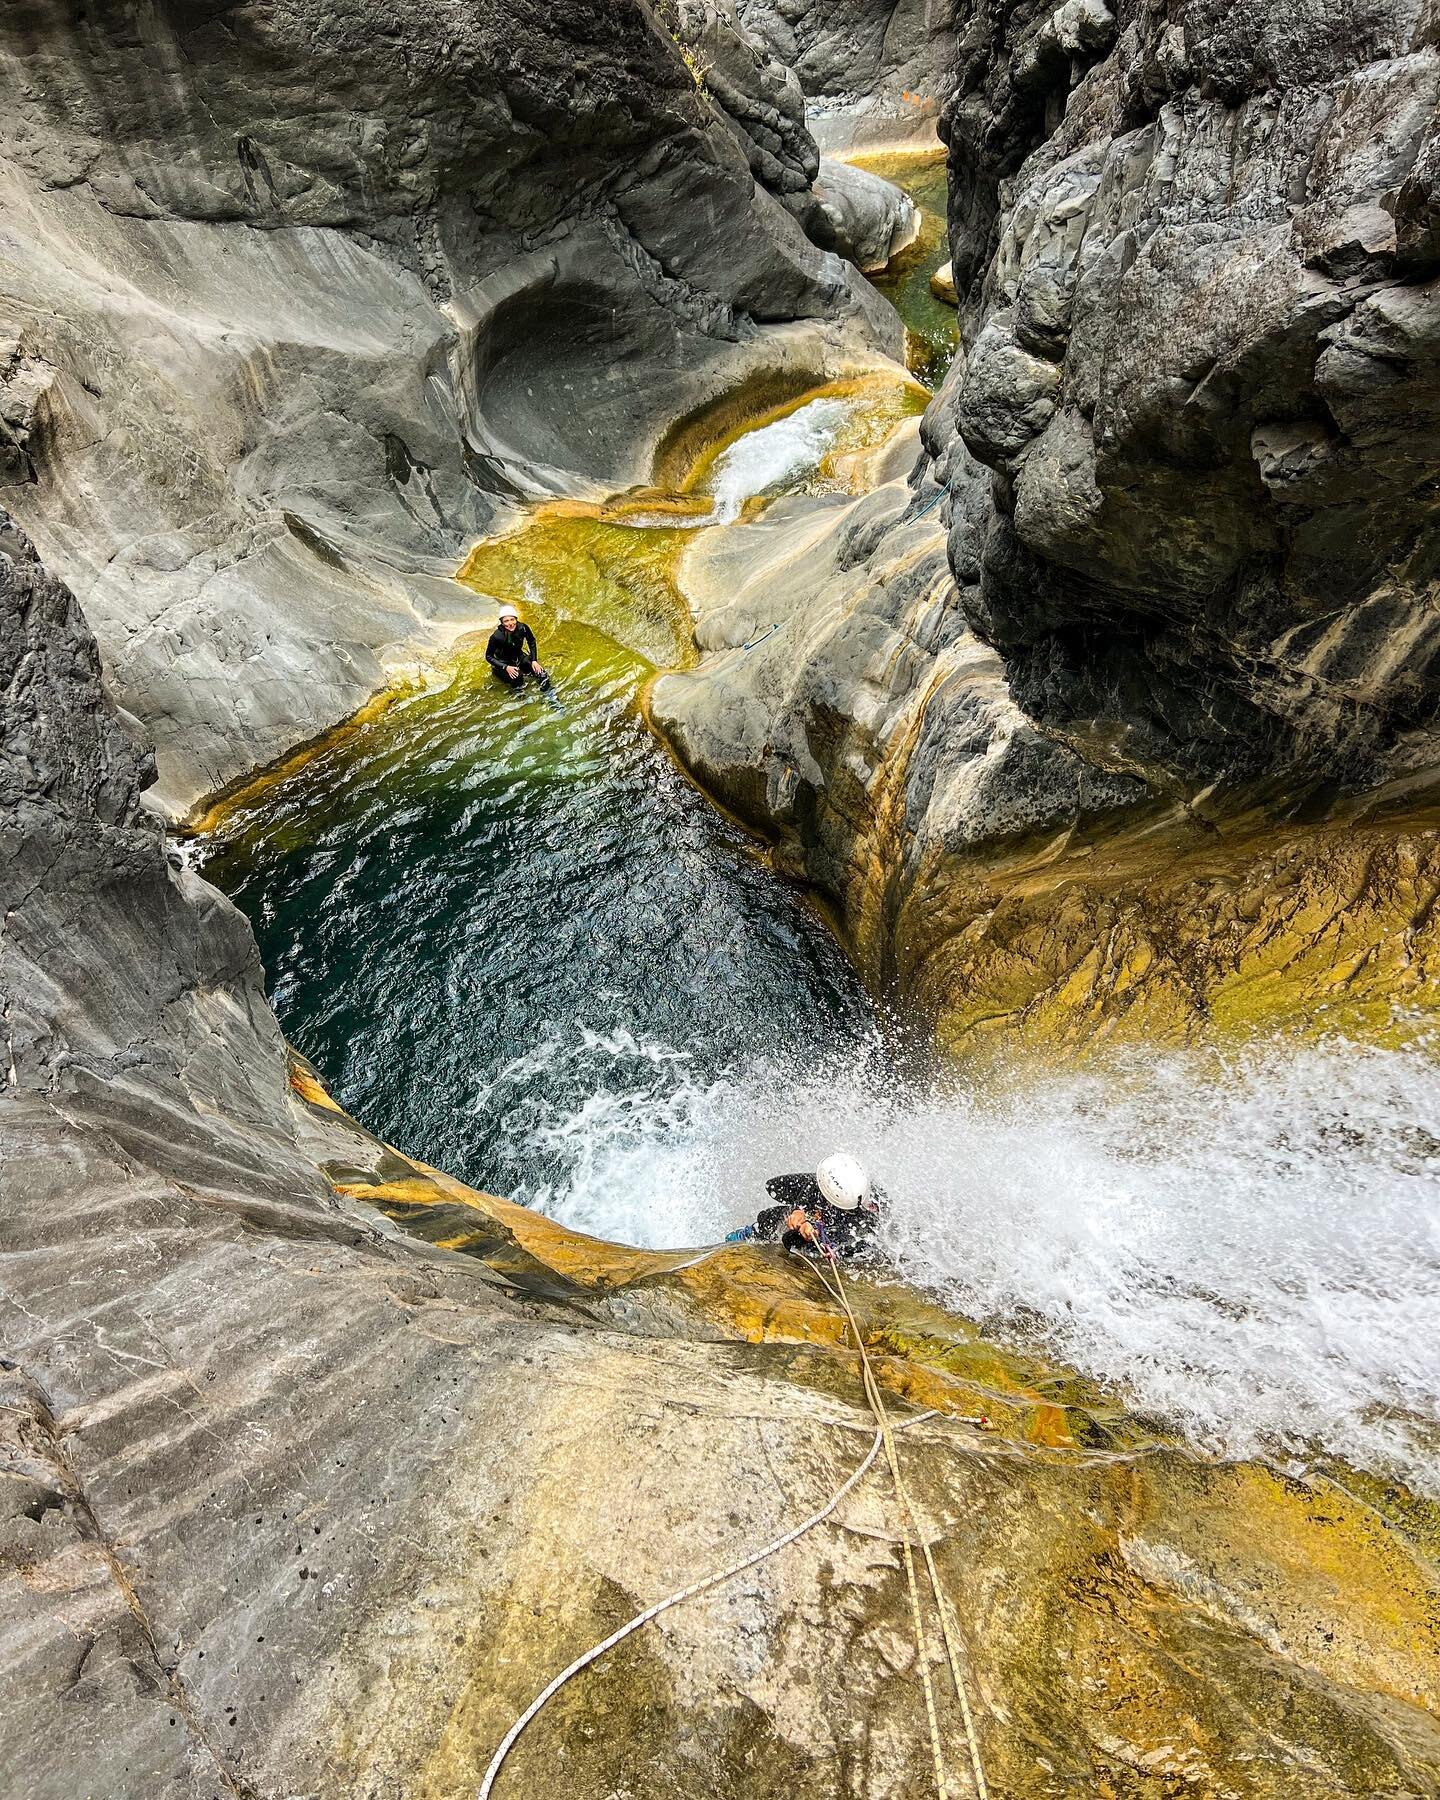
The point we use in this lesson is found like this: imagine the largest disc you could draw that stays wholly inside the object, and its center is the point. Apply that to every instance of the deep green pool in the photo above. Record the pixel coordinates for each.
(514, 940)
(933, 326)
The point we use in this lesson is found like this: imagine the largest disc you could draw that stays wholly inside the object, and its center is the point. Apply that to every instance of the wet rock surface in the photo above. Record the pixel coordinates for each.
(1188, 452)
(861, 215)
(865, 729)
(298, 1501)
(293, 302)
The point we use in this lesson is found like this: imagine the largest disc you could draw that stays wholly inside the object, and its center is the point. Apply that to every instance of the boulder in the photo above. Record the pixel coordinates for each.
(860, 215)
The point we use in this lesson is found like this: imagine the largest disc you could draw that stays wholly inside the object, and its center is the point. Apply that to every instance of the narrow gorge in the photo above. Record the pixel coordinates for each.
(972, 472)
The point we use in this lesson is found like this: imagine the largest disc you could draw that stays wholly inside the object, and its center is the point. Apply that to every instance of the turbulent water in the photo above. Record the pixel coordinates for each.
(502, 925)
(1250, 1248)
(518, 944)
(778, 454)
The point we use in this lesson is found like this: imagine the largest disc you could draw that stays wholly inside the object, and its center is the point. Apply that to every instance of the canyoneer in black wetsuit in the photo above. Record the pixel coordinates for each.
(833, 1209)
(512, 652)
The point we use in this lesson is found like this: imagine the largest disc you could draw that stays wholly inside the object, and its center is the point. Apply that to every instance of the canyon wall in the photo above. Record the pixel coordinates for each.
(873, 73)
(1199, 253)
(1161, 755)
(317, 1465)
(260, 383)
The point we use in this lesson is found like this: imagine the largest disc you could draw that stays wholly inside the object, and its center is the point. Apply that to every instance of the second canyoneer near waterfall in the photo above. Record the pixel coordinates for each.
(834, 1209)
(512, 652)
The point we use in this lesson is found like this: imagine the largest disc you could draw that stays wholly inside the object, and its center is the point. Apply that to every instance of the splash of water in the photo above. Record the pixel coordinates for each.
(1251, 1251)
(775, 456)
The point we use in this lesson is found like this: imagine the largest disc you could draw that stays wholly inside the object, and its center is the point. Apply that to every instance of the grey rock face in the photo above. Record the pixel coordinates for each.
(294, 302)
(758, 93)
(867, 731)
(860, 215)
(1197, 251)
(873, 73)
(257, 1445)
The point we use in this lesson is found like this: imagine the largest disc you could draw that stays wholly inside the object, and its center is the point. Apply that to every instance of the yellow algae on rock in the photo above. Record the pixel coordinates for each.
(1136, 1621)
(1170, 932)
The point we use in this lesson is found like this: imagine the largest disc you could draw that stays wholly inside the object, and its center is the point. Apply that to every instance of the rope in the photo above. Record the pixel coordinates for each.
(882, 1417)
(686, 1593)
(910, 1519)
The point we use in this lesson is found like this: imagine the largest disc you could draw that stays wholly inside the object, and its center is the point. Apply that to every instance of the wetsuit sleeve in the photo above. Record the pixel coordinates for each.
(793, 1190)
(527, 637)
(770, 1219)
(851, 1231)
(495, 652)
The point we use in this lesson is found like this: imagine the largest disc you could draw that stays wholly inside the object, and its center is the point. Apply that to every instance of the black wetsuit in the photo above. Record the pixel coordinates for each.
(511, 650)
(844, 1232)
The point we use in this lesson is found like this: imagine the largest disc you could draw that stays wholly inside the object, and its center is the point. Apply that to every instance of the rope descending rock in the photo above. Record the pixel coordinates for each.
(911, 1523)
(910, 1529)
(507, 1743)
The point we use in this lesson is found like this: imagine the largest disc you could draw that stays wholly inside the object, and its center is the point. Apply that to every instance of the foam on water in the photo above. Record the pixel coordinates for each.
(1250, 1250)
(518, 945)
(775, 456)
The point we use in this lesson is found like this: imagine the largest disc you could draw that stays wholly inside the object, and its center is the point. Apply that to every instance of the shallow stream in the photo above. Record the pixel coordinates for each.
(933, 326)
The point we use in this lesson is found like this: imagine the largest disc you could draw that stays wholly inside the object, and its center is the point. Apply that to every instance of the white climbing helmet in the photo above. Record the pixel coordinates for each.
(843, 1181)
(507, 611)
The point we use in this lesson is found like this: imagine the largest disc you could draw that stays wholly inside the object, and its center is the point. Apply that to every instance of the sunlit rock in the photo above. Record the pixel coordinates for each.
(305, 1501)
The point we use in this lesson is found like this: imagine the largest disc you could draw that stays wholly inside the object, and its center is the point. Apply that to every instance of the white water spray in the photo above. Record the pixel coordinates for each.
(1250, 1251)
(778, 455)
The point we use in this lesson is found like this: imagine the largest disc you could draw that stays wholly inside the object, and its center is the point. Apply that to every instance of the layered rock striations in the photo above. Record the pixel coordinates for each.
(1188, 453)
(296, 1501)
(293, 301)
(843, 708)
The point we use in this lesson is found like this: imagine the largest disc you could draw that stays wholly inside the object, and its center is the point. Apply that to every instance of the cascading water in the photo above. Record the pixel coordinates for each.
(774, 457)
(1250, 1248)
(519, 945)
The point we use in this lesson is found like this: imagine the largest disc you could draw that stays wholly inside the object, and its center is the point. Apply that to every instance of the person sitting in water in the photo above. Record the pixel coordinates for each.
(512, 651)
(833, 1209)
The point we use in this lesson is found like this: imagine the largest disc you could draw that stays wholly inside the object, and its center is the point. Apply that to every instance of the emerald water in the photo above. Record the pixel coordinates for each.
(517, 944)
(933, 326)
(512, 938)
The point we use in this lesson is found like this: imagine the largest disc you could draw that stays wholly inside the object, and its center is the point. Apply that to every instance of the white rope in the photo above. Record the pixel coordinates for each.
(910, 1519)
(908, 1529)
(507, 1743)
